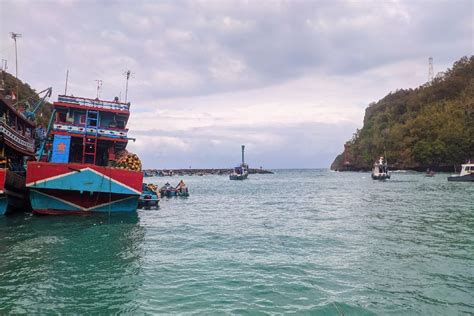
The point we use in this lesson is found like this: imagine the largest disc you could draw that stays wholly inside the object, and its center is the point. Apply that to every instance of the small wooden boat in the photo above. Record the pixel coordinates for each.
(466, 174)
(182, 189)
(168, 190)
(149, 197)
(429, 173)
(183, 193)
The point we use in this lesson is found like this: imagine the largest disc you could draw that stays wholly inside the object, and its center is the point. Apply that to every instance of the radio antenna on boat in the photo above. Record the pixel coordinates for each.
(67, 76)
(127, 75)
(99, 87)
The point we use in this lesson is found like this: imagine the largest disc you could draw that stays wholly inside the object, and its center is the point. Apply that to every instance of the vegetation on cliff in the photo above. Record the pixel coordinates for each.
(26, 93)
(431, 126)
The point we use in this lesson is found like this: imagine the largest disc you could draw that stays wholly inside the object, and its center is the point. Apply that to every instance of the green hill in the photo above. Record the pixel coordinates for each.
(431, 126)
(25, 92)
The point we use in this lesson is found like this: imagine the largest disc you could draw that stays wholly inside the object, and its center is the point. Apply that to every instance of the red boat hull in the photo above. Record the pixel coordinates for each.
(81, 189)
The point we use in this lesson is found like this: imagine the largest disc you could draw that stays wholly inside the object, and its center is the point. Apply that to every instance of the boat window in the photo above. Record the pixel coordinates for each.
(20, 128)
(10, 119)
(62, 117)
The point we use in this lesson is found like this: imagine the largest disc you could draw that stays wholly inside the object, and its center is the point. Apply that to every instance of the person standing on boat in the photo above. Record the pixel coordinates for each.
(181, 185)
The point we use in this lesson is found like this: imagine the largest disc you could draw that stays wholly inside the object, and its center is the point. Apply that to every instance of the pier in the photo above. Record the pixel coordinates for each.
(198, 172)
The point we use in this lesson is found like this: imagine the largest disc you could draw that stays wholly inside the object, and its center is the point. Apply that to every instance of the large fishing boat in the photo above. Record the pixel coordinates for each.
(17, 145)
(77, 171)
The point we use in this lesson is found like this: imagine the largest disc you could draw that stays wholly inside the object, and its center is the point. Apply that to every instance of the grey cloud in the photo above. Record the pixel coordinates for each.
(272, 41)
(181, 51)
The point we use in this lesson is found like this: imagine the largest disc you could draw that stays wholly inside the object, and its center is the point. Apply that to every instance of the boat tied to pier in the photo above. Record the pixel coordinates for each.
(17, 146)
(241, 172)
(466, 174)
(81, 166)
(380, 170)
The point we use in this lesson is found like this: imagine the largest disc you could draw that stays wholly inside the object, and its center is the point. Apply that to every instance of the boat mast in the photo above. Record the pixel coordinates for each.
(67, 77)
(243, 149)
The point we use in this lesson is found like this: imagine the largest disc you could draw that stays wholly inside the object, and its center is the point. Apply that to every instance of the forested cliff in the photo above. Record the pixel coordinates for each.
(431, 126)
(25, 93)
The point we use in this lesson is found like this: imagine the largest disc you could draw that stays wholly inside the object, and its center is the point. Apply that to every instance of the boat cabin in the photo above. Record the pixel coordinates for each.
(16, 136)
(88, 131)
(467, 169)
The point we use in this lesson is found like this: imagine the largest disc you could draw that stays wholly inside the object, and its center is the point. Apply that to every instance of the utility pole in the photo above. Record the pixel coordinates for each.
(430, 69)
(99, 86)
(14, 36)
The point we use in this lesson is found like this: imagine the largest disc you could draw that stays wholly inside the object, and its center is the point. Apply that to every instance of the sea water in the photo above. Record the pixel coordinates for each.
(297, 241)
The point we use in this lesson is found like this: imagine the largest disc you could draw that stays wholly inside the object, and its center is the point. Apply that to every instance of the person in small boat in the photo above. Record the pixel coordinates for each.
(381, 165)
(181, 187)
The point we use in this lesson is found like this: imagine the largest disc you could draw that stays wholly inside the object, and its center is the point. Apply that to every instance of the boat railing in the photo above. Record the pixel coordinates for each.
(110, 105)
(15, 136)
(101, 131)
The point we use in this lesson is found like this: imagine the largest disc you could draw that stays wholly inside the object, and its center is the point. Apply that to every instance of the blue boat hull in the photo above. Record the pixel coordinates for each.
(3, 204)
(82, 189)
(44, 203)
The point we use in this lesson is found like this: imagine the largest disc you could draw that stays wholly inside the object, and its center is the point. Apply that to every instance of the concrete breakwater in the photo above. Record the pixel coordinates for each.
(197, 172)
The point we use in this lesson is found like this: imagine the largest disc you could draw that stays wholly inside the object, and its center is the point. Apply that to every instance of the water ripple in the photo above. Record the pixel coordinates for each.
(306, 242)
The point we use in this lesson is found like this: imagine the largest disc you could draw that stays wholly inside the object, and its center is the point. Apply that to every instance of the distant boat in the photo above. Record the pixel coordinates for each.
(241, 172)
(168, 190)
(466, 174)
(380, 170)
(429, 173)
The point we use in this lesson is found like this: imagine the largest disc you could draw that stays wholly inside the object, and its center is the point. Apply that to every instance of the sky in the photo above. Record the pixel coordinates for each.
(289, 79)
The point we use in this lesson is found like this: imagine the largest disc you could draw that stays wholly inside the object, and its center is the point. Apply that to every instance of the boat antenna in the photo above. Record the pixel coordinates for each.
(99, 87)
(127, 75)
(67, 76)
(14, 36)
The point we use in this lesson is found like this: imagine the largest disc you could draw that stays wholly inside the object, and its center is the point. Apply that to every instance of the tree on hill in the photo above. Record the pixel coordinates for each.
(25, 92)
(431, 126)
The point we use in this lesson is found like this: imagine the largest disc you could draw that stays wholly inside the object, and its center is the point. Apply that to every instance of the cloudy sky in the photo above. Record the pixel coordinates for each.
(290, 79)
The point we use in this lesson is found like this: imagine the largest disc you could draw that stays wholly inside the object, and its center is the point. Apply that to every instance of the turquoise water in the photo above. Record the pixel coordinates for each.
(309, 241)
